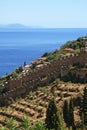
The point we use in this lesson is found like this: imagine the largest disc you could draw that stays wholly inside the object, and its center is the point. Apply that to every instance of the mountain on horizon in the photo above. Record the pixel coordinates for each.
(16, 25)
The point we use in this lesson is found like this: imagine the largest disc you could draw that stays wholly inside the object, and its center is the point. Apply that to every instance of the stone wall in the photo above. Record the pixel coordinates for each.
(21, 85)
(80, 73)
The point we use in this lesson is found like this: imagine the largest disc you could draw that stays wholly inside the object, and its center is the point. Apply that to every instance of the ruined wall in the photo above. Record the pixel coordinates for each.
(60, 66)
(80, 73)
(22, 85)
(5, 98)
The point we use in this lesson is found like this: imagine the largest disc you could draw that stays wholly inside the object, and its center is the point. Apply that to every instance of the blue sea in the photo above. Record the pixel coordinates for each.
(19, 46)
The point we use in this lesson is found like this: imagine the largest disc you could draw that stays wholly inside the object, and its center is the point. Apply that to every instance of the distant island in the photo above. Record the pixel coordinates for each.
(18, 27)
(13, 27)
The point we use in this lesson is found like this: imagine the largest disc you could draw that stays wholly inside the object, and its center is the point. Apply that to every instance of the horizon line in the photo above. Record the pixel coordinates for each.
(15, 25)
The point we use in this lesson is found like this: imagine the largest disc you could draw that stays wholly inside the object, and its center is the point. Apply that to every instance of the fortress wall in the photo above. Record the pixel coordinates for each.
(43, 72)
(82, 74)
(23, 90)
(55, 66)
(13, 83)
(29, 81)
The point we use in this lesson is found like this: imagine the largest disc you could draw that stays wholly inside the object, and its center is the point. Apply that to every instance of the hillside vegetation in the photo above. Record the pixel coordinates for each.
(75, 45)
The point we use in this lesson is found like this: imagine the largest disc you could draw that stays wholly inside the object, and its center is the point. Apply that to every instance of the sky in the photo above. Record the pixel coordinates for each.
(44, 13)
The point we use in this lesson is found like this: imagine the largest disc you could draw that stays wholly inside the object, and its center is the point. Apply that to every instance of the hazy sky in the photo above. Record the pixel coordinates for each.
(44, 13)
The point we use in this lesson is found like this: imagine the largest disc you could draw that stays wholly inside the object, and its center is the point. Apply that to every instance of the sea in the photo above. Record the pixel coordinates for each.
(17, 47)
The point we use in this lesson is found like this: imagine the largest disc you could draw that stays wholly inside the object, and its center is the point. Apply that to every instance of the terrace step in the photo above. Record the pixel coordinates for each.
(25, 110)
(16, 117)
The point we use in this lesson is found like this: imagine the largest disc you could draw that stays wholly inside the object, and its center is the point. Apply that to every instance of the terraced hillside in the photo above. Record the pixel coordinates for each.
(70, 60)
(35, 104)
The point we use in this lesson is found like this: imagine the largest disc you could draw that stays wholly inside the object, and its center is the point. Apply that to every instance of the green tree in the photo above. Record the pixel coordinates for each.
(66, 112)
(19, 69)
(53, 120)
(3, 129)
(38, 126)
(84, 106)
(25, 123)
(24, 63)
(10, 124)
(71, 114)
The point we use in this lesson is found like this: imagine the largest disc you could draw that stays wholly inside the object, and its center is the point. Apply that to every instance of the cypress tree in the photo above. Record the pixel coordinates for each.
(84, 106)
(71, 114)
(66, 112)
(53, 116)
